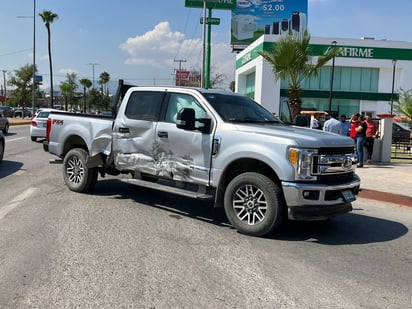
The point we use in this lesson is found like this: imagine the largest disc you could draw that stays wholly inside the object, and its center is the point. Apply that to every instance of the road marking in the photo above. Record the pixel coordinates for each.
(14, 139)
(16, 202)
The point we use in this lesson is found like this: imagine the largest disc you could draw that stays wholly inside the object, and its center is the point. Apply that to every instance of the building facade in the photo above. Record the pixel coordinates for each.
(367, 76)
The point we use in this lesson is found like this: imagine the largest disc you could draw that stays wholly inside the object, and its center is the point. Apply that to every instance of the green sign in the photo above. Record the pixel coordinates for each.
(211, 20)
(212, 4)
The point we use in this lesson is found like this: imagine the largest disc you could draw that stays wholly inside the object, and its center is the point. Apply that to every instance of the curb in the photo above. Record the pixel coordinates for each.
(386, 197)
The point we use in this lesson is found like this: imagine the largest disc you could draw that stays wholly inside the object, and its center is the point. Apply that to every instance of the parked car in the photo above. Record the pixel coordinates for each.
(401, 134)
(38, 124)
(2, 143)
(4, 124)
(23, 112)
(7, 111)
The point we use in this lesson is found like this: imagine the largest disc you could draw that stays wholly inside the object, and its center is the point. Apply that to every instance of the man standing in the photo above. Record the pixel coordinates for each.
(315, 124)
(344, 125)
(332, 125)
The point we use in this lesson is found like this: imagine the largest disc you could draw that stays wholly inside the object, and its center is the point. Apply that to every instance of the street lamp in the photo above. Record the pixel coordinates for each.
(331, 78)
(393, 82)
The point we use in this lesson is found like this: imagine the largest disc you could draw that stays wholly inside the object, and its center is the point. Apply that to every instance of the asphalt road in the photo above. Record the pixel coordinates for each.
(128, 247)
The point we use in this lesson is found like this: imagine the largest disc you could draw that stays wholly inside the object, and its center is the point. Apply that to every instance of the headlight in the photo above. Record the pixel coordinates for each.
(301, 159)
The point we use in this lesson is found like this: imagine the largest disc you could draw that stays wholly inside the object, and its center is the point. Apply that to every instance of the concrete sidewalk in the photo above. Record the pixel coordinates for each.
(19, 121)
(387, 182)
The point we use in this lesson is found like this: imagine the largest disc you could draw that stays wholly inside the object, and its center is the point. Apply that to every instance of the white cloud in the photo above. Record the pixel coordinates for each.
(161, 46)
(156, 47)
(66, 71)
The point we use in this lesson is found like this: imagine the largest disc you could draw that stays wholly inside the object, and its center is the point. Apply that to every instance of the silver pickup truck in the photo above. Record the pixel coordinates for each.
(211, 144)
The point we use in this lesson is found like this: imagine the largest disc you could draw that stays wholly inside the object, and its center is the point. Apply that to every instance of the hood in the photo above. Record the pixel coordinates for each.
(299, 136)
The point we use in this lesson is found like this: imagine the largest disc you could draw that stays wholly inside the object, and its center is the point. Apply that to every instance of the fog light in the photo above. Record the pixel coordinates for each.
(311, 195)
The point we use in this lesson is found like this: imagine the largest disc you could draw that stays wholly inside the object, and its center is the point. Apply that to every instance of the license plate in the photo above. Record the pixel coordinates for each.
(44, 125)
(348, 196)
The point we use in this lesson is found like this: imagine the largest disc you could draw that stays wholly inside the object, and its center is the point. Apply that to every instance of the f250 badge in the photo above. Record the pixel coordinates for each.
(57, 122)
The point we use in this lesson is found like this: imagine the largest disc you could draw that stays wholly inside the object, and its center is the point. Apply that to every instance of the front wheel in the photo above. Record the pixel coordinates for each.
(77, 176)
(254, 204)
(6, 128)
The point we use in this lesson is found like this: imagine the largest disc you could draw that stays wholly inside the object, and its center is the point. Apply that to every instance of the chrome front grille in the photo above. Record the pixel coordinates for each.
(332, 164)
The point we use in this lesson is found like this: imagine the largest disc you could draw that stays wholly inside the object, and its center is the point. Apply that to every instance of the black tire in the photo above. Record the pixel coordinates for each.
(1, 150)
(254, 204)
(6, 128)
(77, 176)
(33, 138)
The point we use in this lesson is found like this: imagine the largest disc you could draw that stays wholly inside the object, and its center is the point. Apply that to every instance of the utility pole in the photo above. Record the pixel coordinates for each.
(5, 89)
(93, 64)
(180, 70)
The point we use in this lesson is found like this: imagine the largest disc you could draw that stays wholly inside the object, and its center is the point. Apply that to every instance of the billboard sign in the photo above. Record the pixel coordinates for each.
(182, 75)
(212, 4)
(252, 18)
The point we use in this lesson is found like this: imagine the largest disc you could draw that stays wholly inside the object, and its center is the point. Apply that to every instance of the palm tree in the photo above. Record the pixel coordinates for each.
(48, 18)
(404, 104)
(86, 83)
(67, 91)
(104, 79)
(291, 59)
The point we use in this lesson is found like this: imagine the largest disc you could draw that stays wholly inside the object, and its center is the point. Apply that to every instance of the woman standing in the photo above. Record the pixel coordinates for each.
(371, 134)
(360, 139)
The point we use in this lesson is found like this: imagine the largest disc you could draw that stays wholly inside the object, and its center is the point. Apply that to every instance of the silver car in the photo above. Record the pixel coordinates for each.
(1, 146)
(39, 123)
(4, 124)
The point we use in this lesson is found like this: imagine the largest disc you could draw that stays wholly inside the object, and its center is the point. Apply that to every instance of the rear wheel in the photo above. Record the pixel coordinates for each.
(33, 138)
(253, 204)
(77, 176)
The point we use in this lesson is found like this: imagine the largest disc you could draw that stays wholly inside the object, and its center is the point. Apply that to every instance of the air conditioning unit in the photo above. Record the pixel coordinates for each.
(243, 27)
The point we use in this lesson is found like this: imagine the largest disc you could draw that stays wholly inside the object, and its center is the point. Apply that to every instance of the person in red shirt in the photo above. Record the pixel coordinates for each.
(371, 134)
(354, 121)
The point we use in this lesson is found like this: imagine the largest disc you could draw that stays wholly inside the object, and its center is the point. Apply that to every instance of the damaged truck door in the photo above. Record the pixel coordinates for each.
(147, 140)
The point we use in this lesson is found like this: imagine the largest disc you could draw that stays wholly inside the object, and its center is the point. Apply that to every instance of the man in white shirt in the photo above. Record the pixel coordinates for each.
(332, 125)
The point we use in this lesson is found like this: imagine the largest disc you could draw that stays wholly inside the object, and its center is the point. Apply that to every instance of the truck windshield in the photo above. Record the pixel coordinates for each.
(240, 109)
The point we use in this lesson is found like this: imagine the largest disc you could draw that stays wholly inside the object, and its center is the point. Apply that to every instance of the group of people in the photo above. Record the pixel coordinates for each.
(362, 129)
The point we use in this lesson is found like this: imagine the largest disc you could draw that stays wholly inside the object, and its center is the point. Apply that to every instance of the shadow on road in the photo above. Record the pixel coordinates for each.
(178, 206)
(347, 229)
(9, 167)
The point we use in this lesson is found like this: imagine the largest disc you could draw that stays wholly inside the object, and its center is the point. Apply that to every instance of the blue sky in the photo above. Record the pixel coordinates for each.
(139, 40)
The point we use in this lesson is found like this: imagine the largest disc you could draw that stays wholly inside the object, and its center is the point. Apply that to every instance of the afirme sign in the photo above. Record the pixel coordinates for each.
(212, 4)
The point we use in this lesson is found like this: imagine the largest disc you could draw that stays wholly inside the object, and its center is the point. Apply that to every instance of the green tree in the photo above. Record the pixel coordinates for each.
(217, 80)
(48, 18)
(86, 83)
(23, 81)
(68, 88)
(404, 105)
(291, 59)
(103, 81)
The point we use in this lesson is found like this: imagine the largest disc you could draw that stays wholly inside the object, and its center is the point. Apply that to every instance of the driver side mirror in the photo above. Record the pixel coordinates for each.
(186, 120)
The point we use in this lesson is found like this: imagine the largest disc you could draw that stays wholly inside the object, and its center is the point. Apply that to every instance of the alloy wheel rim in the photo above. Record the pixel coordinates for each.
(250, 204)
(75, 170)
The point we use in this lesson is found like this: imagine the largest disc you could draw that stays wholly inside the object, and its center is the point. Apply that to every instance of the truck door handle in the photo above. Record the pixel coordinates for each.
(162, 134)
(124, 130)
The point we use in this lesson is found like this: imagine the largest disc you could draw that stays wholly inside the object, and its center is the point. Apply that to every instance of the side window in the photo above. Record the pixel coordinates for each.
(178, 101)
(144, 105)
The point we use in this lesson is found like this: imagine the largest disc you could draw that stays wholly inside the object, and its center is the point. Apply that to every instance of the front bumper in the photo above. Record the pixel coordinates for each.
(314, 201)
